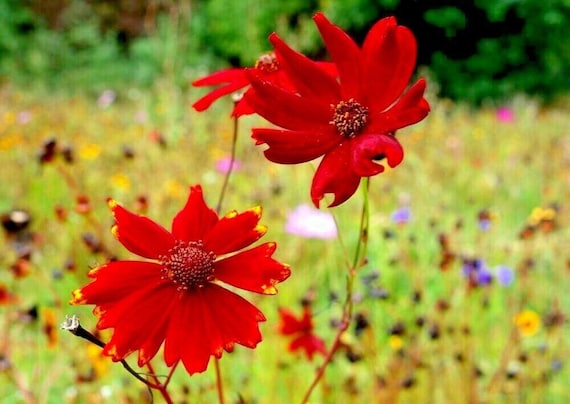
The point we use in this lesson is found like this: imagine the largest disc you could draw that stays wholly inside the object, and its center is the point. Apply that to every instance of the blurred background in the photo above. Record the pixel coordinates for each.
(476, 50)
(464, 298)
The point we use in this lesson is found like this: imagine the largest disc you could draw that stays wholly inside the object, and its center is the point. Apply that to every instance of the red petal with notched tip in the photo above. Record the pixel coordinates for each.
(335, 175)
(285, 108)
(253, 270)
(409, 109)
(139, 234)
(293, 147)
(117, 279)
(308, 78)
(235, 231)
(389, 56)
(195, 219)
(369, 147)
(207, 321)
(346, 55)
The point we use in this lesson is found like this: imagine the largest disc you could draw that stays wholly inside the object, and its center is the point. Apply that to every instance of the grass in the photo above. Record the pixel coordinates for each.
(432, 339)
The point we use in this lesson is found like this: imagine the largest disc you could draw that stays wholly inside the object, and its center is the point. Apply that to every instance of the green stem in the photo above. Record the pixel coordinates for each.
(231, 167)
(358, 262)
(219, 382)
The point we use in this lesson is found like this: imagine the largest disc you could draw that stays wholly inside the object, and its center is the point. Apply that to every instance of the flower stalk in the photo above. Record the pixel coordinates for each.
(347, 311)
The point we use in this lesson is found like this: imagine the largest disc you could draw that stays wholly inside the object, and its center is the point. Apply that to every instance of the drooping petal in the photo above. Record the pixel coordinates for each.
(335, 175)
(139, 234)
(253, 270)
(117, 279)
(285, 108)
(195, 219)
(409, 109)
(389, 53)
(235, 231)
(293, 147)
(370, 147)
(308, 78)
(345, 54)
(232, 75)
(206, 101)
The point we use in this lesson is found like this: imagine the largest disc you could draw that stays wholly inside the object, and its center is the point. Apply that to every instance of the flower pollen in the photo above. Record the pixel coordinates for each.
(267, 63)
(188, 265)
(349, 117)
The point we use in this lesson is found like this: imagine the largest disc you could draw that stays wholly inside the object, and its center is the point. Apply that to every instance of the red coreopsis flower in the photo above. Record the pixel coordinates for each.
(231, 80)
(350, 121)
(302, 331)
(176, 295)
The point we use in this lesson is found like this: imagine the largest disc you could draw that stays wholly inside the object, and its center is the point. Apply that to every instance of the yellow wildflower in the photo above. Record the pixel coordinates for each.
(528, 322)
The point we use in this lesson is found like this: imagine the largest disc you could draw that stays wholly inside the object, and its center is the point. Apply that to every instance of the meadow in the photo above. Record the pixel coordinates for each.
(463, 298)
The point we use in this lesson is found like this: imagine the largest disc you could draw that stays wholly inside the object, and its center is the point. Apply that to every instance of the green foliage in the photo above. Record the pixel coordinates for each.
(476, 50)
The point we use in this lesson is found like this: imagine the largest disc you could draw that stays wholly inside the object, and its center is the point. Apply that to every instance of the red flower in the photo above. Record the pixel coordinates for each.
(230, 80)
(177, 297)
(302, 330)
(350, 121)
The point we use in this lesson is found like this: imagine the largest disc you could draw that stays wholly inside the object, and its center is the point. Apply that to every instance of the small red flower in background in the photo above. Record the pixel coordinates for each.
(231, 80)
(302, 331)
(350, 121)
(177, 297)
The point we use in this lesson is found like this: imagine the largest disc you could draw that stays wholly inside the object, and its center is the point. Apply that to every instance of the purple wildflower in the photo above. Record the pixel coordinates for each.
(505, 275)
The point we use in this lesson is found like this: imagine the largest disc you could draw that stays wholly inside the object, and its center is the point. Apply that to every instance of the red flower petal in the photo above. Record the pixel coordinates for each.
(242, 107)
(293, 147)
(369, 147)
(284, 108)
(206, 101)
(389, 53)
(335, 175)
(308, 78)
(139, 234)
(345, 54)
(291, 325)
(311, 344)
(196, 219)
(235, 231)
(409, 109)
(139, 321)
(117, 279)
(205, 322)
(253, 270)
(222, 76)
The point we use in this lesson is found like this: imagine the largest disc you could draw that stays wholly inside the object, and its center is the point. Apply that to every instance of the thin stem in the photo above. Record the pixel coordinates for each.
(359, 261)
(158, 386)
(73, 326)
(231, 167)
(219, 382)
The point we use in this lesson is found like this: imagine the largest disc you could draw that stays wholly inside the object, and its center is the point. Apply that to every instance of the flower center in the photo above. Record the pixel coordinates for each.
(188, 265)
(349, 117)
(267, 63)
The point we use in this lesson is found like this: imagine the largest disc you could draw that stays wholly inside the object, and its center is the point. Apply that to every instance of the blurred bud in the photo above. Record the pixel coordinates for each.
(48, 151)
(82, 204)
